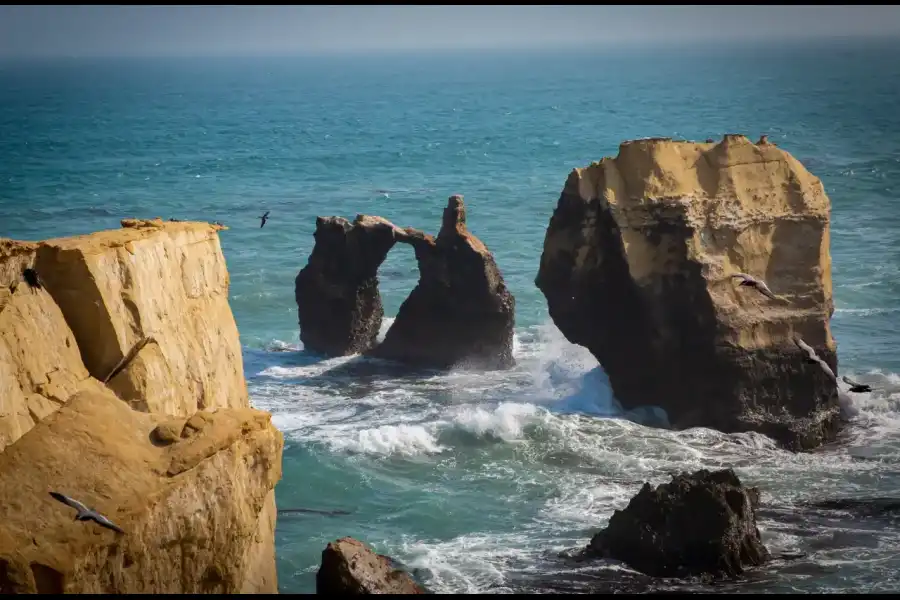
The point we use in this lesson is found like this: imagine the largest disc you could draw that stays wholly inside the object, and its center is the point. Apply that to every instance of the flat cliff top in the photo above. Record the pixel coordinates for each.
(749, 177)
(132, 230)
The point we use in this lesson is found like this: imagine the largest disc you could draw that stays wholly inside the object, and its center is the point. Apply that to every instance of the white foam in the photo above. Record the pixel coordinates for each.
(558, 450)
(406, 440)
(385, 325)
(507, 421)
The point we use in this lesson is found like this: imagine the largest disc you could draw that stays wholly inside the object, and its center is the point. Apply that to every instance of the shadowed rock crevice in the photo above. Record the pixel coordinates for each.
(636, 267)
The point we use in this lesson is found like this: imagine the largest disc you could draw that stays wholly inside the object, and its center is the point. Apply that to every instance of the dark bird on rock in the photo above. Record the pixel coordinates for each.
(85, 513)
(813, 357)
(758, 284)
(174, 220)
(32, 278)
(856, 388)
(763, 139)
(263, 219)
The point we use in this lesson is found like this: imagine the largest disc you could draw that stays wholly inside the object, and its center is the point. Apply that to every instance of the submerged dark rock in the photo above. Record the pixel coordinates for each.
(338, 302)
(461, 312)
(700, 524)
(349, 567)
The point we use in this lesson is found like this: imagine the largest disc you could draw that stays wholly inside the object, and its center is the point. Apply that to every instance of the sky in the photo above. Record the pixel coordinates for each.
(86, 31)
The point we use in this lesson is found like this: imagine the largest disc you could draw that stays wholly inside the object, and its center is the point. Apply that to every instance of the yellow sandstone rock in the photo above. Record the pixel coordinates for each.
(198, 514)
(158, 286)
(167, 448)
(637, 266)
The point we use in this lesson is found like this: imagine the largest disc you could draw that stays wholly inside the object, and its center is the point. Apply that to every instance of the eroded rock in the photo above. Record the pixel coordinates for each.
(145, 311)
(165, 281)
(198, 515)
(460, 313)
(636, 266)
(40, 363)
(698, 524)
(338, 301)
(349, 567)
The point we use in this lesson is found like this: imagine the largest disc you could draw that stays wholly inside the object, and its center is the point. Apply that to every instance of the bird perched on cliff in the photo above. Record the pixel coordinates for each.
(856, 388)
(763, 140)
(813, 357)
(85, 513)
(758, 284)
(263, 219)
(32, 278)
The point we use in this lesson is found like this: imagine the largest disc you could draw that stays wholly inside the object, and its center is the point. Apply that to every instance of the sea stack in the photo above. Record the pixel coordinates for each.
(338, 301)
(637, 264)
(460, 313)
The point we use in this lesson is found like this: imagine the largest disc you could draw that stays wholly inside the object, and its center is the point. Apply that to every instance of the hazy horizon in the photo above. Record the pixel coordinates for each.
(248, 31)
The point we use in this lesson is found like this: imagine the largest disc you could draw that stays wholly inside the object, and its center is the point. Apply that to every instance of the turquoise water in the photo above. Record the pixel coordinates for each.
(477, 480)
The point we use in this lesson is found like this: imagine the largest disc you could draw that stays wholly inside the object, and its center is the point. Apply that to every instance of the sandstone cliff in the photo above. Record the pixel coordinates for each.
(460, 313)
(121, 385)
(198, 513)
(636, 267)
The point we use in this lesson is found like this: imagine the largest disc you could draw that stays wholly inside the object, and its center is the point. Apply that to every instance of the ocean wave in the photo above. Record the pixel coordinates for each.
(546, 449)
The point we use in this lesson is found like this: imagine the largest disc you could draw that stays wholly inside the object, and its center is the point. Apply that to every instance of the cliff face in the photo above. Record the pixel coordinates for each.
(461, 312)
(160, 289)
(637, 266)
(194, 512)
(40, 367)
(145, 308)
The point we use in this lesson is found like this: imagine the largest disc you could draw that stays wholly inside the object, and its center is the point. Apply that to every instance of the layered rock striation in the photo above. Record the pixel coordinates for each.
(122, 385)
(459, 314)
(637, 264)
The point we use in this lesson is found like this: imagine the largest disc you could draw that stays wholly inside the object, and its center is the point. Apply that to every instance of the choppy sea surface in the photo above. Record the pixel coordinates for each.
(476, 481)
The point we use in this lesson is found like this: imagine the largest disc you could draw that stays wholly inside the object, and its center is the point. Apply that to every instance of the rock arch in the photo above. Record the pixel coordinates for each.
(459, 313)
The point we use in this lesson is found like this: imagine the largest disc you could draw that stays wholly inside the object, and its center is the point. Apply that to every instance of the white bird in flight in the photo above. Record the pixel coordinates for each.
(758, 284)
(85, 513)
(815, 357)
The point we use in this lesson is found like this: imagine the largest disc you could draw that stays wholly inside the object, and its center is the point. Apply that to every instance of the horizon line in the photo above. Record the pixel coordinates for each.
(610, 45)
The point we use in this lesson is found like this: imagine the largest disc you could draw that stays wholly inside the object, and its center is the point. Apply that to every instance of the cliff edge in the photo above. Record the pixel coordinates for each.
(122, 386)
(637, 266)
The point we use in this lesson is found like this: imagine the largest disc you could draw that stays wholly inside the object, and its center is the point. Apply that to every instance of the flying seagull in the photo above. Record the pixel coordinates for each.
(758, 284)
(32, 278)
(85, 513)
(263, 219)
(815, 357)
(856, 388)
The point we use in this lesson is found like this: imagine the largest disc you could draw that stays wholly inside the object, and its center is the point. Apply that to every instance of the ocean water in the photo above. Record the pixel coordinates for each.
(477, 481)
